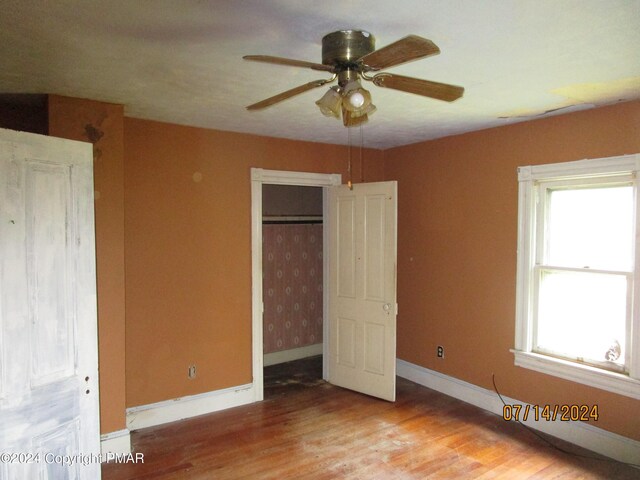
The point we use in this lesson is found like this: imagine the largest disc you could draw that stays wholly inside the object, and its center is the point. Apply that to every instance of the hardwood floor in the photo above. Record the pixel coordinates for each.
(308, 429)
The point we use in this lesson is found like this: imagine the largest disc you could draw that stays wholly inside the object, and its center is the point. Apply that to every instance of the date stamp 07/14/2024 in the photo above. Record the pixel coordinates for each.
(550, 413)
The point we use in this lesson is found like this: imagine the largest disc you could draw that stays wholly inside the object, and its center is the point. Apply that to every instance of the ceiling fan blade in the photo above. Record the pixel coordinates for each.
(289, 61)
(426, 88)
(288, 94)
(404, 50)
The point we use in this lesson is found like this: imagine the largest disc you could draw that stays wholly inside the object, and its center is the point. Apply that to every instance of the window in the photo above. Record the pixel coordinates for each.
(577, 272)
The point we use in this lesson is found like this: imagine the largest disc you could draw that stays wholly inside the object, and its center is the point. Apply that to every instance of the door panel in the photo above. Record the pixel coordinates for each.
(48, 319)
(346, 337)
(373, 344)
(374, 245)
(362, 288)
(346, 248)
(60, 441)
(47, 261)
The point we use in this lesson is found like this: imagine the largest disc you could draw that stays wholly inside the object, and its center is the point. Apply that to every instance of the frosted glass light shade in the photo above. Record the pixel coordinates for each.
(330, 103)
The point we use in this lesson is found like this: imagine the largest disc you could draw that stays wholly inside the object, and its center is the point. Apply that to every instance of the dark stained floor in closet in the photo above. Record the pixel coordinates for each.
(291, 376)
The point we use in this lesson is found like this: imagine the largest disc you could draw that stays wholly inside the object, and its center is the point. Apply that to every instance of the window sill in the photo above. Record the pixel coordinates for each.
(587, 375)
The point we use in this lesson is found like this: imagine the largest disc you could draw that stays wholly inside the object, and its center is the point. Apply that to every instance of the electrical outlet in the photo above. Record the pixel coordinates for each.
(440, 351)
(192, 372)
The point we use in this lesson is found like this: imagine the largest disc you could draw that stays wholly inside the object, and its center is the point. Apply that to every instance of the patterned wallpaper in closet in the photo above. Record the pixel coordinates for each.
(292, 283)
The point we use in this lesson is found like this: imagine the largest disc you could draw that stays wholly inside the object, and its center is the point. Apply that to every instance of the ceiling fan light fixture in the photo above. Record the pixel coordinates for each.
(355, 98)
(350, 56)
(330, 103)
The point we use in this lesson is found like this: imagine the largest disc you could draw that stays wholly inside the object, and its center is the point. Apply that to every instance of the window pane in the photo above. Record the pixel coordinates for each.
(582, 315)
(591, 227)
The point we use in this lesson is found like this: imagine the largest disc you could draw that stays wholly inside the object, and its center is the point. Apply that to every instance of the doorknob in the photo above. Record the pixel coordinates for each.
(387, 307)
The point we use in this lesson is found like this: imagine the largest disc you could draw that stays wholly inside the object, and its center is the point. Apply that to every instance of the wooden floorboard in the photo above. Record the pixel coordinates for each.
(308, 429)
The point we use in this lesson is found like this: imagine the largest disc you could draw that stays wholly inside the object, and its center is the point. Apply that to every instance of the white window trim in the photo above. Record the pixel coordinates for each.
(628, 385)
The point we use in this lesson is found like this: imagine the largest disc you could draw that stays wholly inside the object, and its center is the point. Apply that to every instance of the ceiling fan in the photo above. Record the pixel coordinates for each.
(350, 55)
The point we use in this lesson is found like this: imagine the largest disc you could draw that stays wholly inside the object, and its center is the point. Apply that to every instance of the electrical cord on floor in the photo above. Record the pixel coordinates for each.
(553, 445)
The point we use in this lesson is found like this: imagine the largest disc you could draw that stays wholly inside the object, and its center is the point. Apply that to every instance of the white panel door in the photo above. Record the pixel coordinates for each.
(362, 288)
(48, 322)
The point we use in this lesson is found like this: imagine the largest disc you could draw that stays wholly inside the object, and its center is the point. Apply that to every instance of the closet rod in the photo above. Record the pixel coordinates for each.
(283, 219)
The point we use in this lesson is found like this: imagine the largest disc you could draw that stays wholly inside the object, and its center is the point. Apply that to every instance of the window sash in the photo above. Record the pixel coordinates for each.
(538, 272)
(543, 192)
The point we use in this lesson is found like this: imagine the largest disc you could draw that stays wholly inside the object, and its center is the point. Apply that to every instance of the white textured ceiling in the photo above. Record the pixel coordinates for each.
(181, 61)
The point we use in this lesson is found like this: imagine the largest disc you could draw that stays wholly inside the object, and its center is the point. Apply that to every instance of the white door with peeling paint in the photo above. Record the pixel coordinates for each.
(362, 288)
(48, 322)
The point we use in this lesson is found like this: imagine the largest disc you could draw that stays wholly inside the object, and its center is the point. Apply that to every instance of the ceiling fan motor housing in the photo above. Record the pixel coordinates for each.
(344, 47)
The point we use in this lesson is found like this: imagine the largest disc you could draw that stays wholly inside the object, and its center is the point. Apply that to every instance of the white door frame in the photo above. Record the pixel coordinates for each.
(259, 177)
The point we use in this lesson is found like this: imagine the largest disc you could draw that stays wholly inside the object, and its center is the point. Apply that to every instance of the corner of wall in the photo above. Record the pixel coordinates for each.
(102, 124)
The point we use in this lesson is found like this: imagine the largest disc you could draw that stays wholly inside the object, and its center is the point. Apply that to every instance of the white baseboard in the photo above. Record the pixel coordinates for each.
(118, 442)
(186, 407)
(292, 354)
(579, 433)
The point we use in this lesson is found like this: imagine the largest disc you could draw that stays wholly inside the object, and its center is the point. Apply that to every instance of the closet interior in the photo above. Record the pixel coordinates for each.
(292, 271)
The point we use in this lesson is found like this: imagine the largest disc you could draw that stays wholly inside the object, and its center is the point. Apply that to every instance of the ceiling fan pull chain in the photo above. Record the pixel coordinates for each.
(361, 162)
(349, 183)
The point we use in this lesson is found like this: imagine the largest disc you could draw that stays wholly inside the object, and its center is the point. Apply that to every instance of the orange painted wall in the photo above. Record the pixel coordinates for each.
(457, 224)
(188, 250)
(102, 124)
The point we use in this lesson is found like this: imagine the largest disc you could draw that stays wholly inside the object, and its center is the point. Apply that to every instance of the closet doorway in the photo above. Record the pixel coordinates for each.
(289, 268)
(292, 287)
